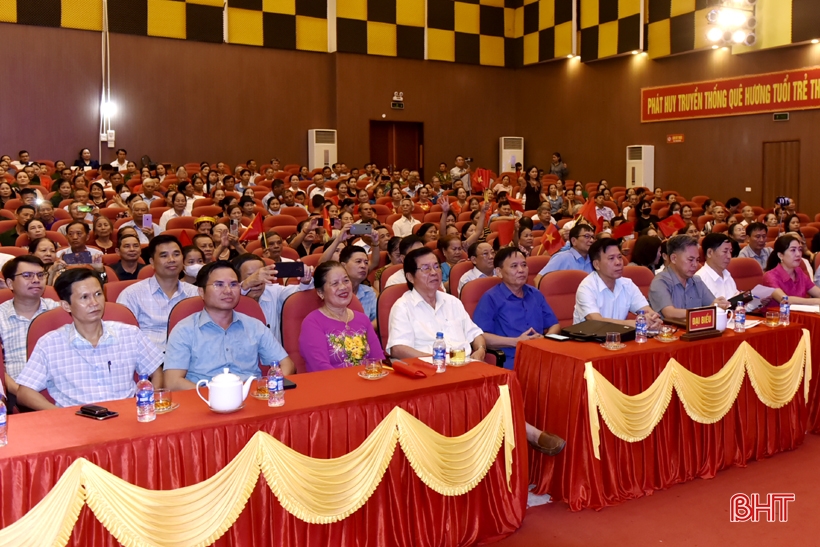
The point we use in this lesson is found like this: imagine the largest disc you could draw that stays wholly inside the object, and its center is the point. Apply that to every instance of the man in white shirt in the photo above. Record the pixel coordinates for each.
(601, 210)
(409, 243)
(461, 172)
(605, 295)
(121, 163)
(151, 300)
(23, 160)
(260, 283)
(481, 254)
(423, 311)
(717, 248)
(138, 211)
(149, 186)
(403, 227)
(318, 187)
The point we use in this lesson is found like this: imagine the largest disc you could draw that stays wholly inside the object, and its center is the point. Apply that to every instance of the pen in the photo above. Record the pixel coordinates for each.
(109, 366)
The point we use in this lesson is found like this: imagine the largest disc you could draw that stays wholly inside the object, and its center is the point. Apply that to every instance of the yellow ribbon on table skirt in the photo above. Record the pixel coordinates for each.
(314, 490)
(706, 400)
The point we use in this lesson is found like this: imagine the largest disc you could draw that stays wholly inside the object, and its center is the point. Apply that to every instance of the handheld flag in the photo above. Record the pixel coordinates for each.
(185, 239)
(671, 224)
(624, 229)
(481, 180)
(505, 232)
(516, 205)
(588, 212)
(551, 241)
(253, 230)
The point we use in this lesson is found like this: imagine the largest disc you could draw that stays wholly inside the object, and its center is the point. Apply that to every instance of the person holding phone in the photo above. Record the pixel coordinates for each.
(227, 243)
(78, 252)
(306, 240)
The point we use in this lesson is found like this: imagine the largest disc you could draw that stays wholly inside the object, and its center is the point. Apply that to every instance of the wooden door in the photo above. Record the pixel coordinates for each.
(781, 171)
(397, 144)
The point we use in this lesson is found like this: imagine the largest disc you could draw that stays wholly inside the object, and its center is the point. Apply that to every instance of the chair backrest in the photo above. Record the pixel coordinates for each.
(279, 220)
(534, 265)
(181, 222)
(146, 272)
(58, 317)
(297, 306)
(49, 292)
(388, 273)
(641, 276)
(193, 304)
(384, 304)
(559, 289)
(456, 272)
(474, 290)
(746, 272)
(112, 289)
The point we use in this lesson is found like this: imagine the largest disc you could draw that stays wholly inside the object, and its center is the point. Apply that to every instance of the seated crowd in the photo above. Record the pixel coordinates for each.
(205, 232)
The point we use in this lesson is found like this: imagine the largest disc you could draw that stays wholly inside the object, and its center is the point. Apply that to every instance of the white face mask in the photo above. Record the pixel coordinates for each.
(191, 270)
(578, 192)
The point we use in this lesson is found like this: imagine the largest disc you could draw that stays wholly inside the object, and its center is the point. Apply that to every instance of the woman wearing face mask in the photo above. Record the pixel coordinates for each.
(192, 260)
(645, 218)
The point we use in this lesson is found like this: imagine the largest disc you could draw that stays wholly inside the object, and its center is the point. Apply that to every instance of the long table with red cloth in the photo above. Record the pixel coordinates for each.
(811, 322)
(679, 449)
(327, 415)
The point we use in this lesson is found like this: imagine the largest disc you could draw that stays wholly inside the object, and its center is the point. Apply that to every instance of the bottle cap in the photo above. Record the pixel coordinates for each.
(143, 376)
(439, 335)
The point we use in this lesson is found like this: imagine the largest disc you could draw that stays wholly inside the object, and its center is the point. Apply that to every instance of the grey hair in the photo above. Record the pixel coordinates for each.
(676, 244)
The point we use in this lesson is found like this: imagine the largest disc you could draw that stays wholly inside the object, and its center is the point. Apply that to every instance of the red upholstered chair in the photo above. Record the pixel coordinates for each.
(559, 289)
(49, 292)
(279, 220)
(112, 289)
(206, 210)
(284, 231)
(146, 272)
(296, 308)
(746, 272)
(456, 272)
(181, 222)
(311, 260)
(178, 231)
(385, 303)
(474, 290)
(641, 276)
(194, 304)
(388, 273)
(13, 251)
(535, 264)
(296, 212)
(56, 318)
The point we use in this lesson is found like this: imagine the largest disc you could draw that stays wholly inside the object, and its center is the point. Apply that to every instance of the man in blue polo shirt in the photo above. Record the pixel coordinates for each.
(512, 312)
(576, 257)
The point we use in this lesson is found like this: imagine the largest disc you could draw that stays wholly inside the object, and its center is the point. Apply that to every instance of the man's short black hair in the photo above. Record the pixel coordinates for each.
(713, 241)
(205, 272)
(123, 150)
(755, 226)
(75, 223)
(410, 266)
(106, 167)
(579, 227)
(239, 260)
(200, 236)
(504, 254)
(600, 246)
(162, 239)
(27, 191)
(10, 267)
(408, 242)
(732, 202)
(348, 252)
(121, 239)
(65, 282)
(317, 200)
(23, 207)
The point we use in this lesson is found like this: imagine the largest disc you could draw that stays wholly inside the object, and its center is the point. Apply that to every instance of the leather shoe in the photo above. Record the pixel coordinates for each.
(549, 444)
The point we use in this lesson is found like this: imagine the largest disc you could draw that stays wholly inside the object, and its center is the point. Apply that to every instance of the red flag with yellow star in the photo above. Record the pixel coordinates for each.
(551, 241)
(480, 180)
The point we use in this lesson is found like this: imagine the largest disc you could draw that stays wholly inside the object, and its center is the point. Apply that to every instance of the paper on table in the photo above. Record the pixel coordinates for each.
(760, 292)
(808, 308)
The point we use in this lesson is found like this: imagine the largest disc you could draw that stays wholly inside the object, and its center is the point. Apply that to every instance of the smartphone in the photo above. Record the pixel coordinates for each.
(287, 384)
(85, 208)
(320, 222)
(148, 220)
(361, 229)
(96, 412)
(337, 224)
(234, 227)
(556, 337)
(290, 269)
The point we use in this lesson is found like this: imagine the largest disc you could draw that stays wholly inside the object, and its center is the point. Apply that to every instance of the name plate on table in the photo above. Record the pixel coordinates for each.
(701, 323)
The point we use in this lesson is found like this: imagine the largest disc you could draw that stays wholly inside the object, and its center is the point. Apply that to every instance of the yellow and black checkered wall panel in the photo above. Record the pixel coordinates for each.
(610, 28)
(466, 31)
(283, 24)
(549, 28)
(677, 26)
(393, 28)
(75, 14)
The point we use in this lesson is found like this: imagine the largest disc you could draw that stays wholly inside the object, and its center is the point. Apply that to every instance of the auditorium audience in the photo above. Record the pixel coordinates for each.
(201, 345)
(88, 360)
(24, 213)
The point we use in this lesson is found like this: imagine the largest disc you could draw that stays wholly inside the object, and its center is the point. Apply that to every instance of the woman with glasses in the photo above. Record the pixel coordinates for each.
(334, 336)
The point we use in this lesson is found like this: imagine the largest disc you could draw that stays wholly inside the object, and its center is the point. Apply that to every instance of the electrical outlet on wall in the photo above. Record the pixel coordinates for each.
(748, 188)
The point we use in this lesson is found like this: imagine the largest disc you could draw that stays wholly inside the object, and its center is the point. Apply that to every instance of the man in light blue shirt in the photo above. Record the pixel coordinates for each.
(605, 295)
(577, 257)
(218, 337)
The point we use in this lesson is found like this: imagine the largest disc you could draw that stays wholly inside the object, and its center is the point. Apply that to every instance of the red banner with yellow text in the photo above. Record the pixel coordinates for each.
(757, 94)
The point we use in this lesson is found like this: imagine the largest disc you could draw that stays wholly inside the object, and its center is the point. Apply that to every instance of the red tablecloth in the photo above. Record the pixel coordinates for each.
(327, 415)
(678, 450)
(811, 322)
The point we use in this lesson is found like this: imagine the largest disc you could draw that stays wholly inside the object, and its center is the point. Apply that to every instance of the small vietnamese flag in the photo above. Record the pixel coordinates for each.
(551, 241)
(185, 239)
(671, 224)
(624, 229)
(253, 230)
(480, 180)
(588, 212)
(505, 232)
(516, 205)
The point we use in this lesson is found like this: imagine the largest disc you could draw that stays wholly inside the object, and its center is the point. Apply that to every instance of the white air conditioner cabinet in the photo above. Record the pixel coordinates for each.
(640, 166)
(321, 148)
(510, 152)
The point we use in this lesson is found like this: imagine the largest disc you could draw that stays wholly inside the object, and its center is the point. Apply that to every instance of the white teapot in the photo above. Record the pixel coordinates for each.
(226, 391)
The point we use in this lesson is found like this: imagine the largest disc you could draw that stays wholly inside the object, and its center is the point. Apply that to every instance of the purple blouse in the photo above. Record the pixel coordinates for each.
(779, 279)
(325, 343)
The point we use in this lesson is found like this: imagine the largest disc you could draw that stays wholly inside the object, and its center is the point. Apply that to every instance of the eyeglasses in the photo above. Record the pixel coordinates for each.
(28, 276)
(221, 285)
(427, 268)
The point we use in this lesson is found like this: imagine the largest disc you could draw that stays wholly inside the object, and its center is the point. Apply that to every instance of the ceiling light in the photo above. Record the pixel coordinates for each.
(815, 41)
(570, 56)
(635, 52)
(738, 36)
(714, 34)
(715, 46)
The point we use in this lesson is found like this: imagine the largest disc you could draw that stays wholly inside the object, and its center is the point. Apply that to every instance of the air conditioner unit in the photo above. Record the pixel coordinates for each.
(321, 148)
(640, 166)
(510, 152)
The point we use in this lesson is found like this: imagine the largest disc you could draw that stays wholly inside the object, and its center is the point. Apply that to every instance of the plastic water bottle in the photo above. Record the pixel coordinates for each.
(640, 327)
(785, 310)
(440, 353)
(740, 317)
(276, 385)
(145, 400)
(4, 436)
